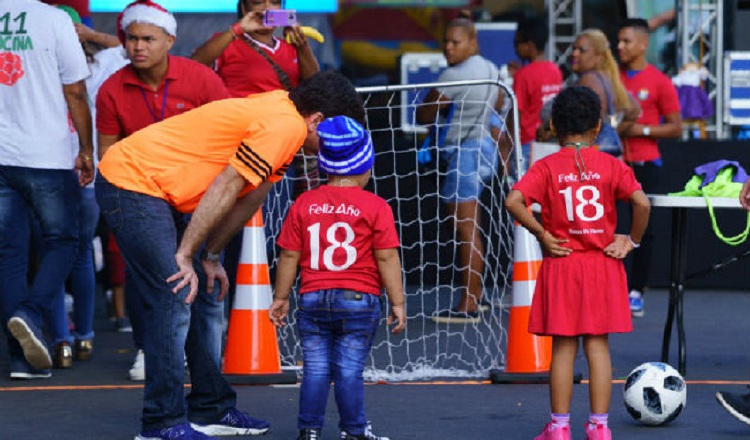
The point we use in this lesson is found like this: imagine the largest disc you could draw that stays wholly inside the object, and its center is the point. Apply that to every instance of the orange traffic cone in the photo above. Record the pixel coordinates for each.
(528, 356)
(252, 351)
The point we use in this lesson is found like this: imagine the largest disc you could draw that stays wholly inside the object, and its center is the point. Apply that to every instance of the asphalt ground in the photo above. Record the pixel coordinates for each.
(94, 399)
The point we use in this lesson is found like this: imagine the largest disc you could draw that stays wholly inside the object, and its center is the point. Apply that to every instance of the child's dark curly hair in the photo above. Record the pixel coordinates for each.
(575, 110)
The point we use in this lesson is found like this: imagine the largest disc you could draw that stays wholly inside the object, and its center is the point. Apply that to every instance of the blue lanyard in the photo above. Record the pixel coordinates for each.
(163, 104)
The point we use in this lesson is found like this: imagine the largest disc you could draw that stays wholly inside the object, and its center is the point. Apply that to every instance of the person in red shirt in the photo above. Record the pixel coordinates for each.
(344, 240)
(660, 119)
(581, 290)
(153, 87)
(536, 82)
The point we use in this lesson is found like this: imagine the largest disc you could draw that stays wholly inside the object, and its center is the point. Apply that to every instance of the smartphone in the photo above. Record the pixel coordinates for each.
(280, 18)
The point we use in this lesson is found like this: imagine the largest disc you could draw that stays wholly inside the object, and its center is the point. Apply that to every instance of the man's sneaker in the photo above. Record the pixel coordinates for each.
(138, 370)
(183, 431)
(234, 422)
(453, 316)
(738, 405)
(554, 433)
(636, 304)
(309, 434)
(597, 432)
(21, 370)
(122, 325)
(367, 435)
(32, 342)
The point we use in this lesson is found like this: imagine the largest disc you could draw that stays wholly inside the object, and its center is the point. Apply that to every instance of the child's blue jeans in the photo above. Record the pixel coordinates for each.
(336, 328)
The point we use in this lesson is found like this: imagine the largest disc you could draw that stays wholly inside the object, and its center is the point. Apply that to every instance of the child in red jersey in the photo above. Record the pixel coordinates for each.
(344, 240)
(581, 290)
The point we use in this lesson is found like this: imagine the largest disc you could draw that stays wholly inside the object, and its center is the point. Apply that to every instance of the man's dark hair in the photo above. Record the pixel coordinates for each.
(575, 110)
(329, 93)
(637, 24)
(533, 30)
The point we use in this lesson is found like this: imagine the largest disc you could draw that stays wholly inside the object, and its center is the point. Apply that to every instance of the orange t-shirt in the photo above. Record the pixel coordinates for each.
(178, 158)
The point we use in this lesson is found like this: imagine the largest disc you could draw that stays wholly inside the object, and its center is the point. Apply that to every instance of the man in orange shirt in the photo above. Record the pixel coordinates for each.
(217, 162)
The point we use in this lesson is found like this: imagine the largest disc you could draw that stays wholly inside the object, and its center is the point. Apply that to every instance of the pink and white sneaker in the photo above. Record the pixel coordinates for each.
(554, 433)
(597, 432)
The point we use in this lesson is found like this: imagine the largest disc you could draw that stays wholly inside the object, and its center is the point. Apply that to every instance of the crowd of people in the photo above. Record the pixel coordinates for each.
(245, 109)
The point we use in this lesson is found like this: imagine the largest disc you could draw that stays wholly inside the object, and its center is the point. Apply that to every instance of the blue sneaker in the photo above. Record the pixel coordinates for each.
(234, 422)
(183, 431)
(21, 370)
(636, 304)
(32, 342)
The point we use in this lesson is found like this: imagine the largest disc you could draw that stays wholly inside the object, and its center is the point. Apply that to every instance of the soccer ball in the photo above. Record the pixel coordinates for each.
(655, 393)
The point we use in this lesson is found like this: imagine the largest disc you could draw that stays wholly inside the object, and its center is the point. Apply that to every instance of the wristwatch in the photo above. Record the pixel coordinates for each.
(635, 245)
(208, 256)
(646, 130)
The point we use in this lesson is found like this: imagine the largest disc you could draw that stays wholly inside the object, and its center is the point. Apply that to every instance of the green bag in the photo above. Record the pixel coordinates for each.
(725, 183)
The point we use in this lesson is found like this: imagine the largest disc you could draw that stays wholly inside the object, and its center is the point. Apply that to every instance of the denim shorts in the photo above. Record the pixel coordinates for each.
(469, 169)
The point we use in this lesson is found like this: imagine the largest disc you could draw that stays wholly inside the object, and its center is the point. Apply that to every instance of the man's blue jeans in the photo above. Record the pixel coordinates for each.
(50, 197)
(147, 230)
(336, 329)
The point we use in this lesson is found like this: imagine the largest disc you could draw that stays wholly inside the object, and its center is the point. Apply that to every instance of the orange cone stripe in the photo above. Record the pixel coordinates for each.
(253, 349)
(526, 270)
(252, 274)
(256, 220)
(527, 353)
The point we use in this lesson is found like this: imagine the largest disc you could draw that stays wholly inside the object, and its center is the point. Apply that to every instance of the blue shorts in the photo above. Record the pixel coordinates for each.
(469, 169)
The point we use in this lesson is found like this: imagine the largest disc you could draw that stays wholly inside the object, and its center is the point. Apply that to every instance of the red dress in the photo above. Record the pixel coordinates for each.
(585, 293)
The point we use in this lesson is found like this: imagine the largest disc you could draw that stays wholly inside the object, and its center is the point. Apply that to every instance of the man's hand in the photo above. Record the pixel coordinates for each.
(85, 168)
(551, 245)
(278, 311)
(398, 315)
(215, 272)
(745, 195)
(619, 248)
(186, 275)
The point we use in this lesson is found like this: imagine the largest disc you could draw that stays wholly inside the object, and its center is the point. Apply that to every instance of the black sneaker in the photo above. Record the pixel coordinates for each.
(738, 405)
(453, 316)
(309, 434)
(367, 435)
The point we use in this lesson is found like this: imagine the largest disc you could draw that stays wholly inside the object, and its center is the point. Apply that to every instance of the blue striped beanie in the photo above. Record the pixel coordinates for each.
(345, 147)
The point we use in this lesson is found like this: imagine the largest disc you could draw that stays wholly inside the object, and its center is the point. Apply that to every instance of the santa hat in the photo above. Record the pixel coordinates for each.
(345, 147)
(148, 12)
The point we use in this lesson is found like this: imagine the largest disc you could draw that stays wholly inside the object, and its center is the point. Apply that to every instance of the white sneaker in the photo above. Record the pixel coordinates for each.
(138, 370)
(636, 304)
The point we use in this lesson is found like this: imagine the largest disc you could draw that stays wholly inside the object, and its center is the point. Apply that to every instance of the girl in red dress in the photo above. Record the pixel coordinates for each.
(581, 290)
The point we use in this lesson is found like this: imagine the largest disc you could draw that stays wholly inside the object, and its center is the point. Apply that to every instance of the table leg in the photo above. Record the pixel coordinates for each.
(676, 287)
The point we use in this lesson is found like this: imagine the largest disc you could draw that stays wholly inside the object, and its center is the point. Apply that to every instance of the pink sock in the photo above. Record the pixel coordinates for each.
(598, 419)
(560, 420)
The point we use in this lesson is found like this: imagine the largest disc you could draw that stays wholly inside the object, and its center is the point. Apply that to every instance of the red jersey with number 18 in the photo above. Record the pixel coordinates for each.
(579, 207)
(337, 230)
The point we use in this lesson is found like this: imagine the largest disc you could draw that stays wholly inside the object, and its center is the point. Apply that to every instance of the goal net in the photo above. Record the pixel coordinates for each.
(430, 245)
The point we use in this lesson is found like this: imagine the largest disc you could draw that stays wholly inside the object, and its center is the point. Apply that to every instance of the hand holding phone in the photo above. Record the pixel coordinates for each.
(280, 18)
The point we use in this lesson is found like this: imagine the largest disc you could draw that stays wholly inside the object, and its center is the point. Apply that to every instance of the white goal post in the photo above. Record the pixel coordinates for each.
(429, 247)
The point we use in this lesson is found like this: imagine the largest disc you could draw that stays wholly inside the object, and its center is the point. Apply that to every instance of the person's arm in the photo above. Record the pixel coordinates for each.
(104, 141)
(671, 128)
(516, 205)
(214, 206)
(308, 65)
(632, 113)
(661, 19)
(78, 106)
(624, 244)
(286, 274)
(434, 102)
(87, 34)
(389, 268)
(212, 49)
(591, 81)
(745, 195)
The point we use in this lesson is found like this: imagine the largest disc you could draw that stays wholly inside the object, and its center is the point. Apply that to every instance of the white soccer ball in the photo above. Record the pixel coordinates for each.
(655, 393)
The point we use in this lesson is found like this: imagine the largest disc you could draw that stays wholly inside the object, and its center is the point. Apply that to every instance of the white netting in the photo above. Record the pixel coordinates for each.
(429, 251)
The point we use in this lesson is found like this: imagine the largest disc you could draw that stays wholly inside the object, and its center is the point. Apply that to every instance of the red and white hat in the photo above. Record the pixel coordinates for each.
(148, 12)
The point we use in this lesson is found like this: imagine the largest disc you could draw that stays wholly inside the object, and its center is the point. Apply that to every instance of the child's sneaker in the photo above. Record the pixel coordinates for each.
(309, 434)
(636, 303)
(597, 432)
(552, 432)
(367, 435)
(234, 422)
(183, 431)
